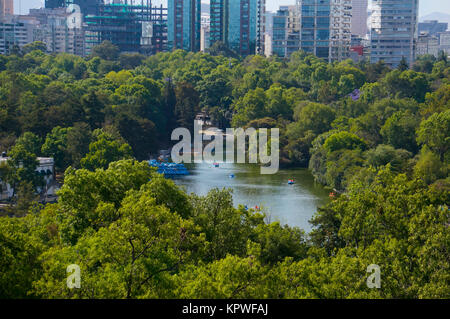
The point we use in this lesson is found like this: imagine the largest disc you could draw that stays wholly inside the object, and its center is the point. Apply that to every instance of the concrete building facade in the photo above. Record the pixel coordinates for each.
(427, 44)
(359, 18)
(6, 7)
(394, 31)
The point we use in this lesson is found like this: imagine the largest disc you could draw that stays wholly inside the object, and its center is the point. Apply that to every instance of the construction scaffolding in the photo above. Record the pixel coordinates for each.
(132, 25)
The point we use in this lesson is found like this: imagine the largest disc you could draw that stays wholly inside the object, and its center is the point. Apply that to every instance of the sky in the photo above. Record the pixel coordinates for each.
(425, 6)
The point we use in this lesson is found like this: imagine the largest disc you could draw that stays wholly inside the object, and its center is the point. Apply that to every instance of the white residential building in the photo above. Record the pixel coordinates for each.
(61, 29)
(15, 31)
(46, 169)
(394, 31)
(444, 42)
(427, 44)
(359, 18)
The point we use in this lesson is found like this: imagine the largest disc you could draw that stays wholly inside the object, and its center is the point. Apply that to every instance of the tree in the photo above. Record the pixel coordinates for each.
(25, 198)
(36, 45)
(314, 117)
(434, 132)
(429, 168)
(249, 107)
(104, 150)
(218, 48)
(403, 65)
(343, 140)
(226, 228)
(140, 133)
(131, 60)
(78, 139)
(31, 142)
(19, 254)
(23, 167)
(93, 109)
(127, 259)
(106, 51)
(187, 105)
(55, 146)
(383, 155)
(399, 131)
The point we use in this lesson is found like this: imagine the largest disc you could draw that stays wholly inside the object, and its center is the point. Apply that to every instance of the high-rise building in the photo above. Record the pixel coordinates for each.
(6, 7)
(15, 32)
(427, 44)
(285, 35)
(326, 28)
(86, 6)
(359, 17)
(53, 4)
(60, 29)
(394, 31)
(183, 28)
(204, 30)
(240, 24)
(204, 38)
(444, 42)
(432, 27)
(132, 25)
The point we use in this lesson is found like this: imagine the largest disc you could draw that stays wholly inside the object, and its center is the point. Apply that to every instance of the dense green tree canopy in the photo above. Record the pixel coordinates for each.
(377, 138)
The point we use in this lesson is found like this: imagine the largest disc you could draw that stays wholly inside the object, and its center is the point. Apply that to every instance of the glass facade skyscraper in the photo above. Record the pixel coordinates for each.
(285, 31)
(394, 31)
(325, 28)
(239, 24)
(183, 29)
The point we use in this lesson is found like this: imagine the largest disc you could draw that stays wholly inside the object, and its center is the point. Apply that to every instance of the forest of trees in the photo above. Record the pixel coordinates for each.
(378, 137)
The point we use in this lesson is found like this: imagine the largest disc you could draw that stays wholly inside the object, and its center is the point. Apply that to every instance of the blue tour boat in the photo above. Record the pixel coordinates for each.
(169, 169)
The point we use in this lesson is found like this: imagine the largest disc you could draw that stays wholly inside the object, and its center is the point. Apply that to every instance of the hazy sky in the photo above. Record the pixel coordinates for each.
(426, 6)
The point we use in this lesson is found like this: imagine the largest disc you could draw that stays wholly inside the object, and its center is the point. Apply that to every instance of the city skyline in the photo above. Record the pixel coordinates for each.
(425, 7)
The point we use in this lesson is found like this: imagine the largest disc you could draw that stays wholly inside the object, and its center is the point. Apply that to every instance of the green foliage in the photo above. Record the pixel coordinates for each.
(104, 150)
(343, 140)
(55, 146)
(136, 234)
(314, 117)
(399, 131)
(23, 167)
(106, 50)
(30, 142)
(435, 133)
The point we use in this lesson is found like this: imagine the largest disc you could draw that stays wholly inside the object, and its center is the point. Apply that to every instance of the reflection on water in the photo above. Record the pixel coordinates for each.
(290, 204)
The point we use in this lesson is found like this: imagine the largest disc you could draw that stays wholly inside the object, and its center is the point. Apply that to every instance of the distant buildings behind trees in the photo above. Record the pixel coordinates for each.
(334, 30)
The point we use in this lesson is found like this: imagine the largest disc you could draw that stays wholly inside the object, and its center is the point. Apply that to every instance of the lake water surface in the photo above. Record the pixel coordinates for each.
(290, 204)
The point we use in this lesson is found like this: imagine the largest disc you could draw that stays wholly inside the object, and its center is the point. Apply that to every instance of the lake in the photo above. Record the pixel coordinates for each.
(290, 204)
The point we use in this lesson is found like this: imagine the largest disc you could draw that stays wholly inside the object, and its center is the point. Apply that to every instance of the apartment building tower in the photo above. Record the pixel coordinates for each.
(6, 7)
(326, 28)
(394, 31)
(183, 29)
(240, 24)
(359, 18)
